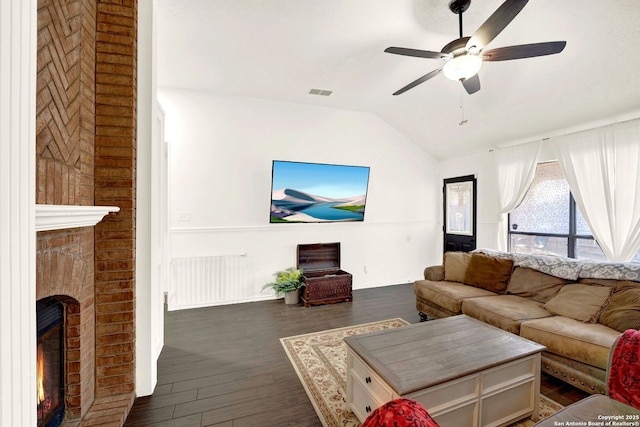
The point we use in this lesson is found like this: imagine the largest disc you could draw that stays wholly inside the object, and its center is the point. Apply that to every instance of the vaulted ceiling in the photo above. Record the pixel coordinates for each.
(281, 49)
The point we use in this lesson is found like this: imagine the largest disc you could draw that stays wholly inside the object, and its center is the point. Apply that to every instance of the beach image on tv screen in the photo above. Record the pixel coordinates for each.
(317, 192)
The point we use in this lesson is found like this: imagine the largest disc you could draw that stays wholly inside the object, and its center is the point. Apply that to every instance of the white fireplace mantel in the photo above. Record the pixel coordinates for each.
(56, 217)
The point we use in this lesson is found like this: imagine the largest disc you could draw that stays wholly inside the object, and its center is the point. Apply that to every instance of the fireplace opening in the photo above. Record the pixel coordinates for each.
(50, 362)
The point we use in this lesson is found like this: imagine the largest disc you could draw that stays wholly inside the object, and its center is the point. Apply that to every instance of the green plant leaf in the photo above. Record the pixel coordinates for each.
(286, 281)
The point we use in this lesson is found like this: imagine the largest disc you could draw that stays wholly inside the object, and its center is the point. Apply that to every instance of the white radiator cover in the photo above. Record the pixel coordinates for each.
(208, 281)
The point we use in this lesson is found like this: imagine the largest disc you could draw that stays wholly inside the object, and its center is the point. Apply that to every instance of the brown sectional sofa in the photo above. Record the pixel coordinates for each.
(576, 309)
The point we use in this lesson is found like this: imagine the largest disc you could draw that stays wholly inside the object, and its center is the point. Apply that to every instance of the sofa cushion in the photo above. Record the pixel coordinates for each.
(488, 272)
(533, 284)
(588, 343)
(504, 311)
(448, 295)
(600, 282)
(623, 310)
(580, 302)
(455, 266)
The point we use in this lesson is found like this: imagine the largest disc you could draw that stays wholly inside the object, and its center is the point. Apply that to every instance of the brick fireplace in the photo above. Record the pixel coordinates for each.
(86, 155)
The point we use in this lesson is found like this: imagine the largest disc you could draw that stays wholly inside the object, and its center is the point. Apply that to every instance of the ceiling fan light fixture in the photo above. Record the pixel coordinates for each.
(462, 67)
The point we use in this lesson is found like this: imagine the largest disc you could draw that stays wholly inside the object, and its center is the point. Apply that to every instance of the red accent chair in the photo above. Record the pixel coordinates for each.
(623, 375)
(400, 413)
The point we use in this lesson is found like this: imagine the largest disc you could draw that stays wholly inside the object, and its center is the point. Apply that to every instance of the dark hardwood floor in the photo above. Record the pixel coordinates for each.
(224, 366)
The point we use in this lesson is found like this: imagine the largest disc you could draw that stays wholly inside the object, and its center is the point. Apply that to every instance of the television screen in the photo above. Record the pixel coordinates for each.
(316, 192)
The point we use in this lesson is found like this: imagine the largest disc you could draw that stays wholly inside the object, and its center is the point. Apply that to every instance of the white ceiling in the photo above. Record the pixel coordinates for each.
(280, 49)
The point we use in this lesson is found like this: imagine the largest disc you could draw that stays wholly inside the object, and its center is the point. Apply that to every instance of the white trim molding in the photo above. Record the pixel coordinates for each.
(18, 31)
(56, 217)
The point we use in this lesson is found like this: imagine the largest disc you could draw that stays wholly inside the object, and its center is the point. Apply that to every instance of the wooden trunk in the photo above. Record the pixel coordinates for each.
(324, 281)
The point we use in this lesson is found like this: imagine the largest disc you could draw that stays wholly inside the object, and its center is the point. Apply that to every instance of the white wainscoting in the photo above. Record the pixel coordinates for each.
(375, 253)
(208, 280)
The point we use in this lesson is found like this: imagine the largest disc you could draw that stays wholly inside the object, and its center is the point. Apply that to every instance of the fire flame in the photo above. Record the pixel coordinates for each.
(40, 374)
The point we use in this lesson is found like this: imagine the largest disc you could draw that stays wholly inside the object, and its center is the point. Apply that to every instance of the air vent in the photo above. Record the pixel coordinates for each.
(320, 92)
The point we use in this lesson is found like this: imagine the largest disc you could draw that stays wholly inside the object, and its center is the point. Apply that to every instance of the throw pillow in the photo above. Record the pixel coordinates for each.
(533, 284)
(488, 272)
(400, 412)
(579, 302)
(455, 265)
(623, 310)
(623, 375)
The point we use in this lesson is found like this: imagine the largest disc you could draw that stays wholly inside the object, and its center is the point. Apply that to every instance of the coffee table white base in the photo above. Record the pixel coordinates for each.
(493, 397)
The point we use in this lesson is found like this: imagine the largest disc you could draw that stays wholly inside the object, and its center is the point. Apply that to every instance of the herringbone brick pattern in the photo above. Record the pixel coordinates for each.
(65, 102)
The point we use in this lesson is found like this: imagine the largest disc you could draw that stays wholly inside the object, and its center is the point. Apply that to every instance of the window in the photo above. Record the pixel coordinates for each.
(549, 222)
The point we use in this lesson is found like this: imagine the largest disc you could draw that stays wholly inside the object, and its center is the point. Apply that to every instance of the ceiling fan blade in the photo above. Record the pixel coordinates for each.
(416, 52)
(418, 81)
(472, 84)
(523, 51)
(496, 23)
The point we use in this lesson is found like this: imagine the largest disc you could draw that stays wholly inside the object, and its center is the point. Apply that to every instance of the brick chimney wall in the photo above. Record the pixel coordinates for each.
(115, 183)
(85, 155)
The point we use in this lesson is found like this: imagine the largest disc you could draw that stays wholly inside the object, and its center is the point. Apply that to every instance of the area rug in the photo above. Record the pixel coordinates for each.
(320, 360)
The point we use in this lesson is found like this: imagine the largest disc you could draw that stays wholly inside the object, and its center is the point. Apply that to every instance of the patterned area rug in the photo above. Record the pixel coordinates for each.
(320, 360)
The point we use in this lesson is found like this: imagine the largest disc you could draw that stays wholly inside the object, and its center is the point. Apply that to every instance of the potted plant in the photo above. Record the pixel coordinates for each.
(287, 283)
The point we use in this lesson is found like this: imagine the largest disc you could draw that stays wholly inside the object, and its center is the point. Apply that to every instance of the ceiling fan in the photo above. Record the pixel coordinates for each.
(464, 56)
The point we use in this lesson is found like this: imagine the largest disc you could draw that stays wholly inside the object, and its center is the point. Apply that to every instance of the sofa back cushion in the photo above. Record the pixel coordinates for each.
(623, 310)
(600, 282)
(533, 284)
(580, 302)
(455, 266)
(488, 272)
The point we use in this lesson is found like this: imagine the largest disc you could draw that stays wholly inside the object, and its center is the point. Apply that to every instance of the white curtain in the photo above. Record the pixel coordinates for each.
(516, 168)
(602, 167)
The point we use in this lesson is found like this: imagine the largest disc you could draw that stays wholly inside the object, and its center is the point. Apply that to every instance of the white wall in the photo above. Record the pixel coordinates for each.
(220, 176)
(149, 296)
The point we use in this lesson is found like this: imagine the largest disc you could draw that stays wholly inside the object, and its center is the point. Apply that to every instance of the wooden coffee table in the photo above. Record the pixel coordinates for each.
(464, 372)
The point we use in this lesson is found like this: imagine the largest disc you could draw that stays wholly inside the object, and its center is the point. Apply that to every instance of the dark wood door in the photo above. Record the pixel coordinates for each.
(459, 196)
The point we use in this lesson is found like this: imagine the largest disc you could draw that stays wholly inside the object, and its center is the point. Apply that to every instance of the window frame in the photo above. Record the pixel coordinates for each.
(572, 236)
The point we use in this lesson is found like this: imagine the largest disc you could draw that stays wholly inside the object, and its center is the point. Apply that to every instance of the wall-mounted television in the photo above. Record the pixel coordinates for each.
(317, 192)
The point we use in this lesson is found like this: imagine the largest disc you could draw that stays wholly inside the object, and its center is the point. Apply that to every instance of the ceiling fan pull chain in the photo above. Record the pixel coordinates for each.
(463, 121)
